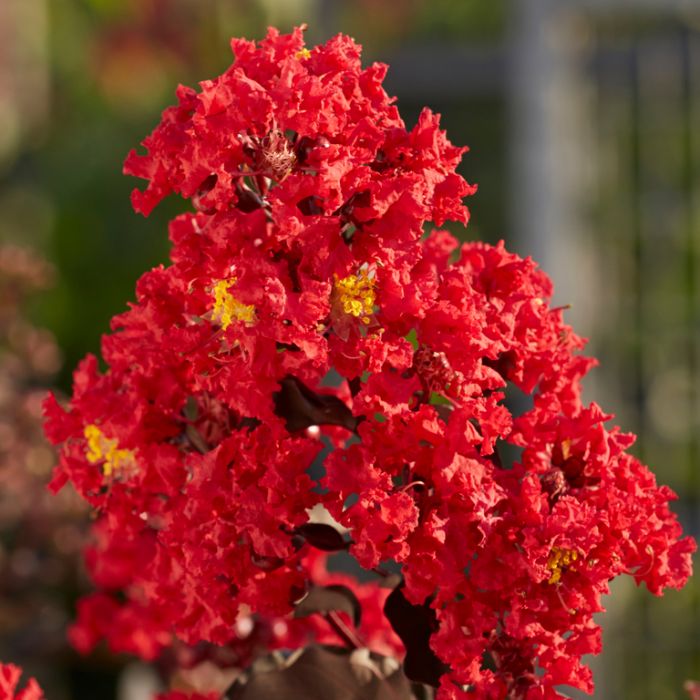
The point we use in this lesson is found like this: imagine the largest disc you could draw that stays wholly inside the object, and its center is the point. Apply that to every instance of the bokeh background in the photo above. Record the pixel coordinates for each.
(583, 118)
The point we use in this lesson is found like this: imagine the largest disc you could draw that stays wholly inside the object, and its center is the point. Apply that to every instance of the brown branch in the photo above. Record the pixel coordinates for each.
(347, 634)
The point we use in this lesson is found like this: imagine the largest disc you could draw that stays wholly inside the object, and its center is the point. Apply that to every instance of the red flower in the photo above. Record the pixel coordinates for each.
(9, 678)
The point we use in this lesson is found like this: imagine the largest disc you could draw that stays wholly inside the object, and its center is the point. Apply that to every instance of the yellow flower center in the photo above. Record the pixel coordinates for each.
(302, 54)
(100, 448)
(559, 560)
(566, 448)
(227, 308)
(355, 295)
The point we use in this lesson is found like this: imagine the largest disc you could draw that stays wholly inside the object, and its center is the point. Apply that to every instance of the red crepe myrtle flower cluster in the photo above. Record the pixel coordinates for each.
(310, 316)
(9, 680)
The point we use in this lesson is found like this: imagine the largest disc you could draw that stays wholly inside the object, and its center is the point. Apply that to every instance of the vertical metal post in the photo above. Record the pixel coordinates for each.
(550, 147)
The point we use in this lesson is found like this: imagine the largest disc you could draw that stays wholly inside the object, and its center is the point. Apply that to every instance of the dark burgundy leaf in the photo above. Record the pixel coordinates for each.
(302, 407)
(325, 599)
(322, 536)
(504, 364)
(311, 206)
(415, 624)
(248, 423)
(323, 673)
(355, 385)
(248, 200)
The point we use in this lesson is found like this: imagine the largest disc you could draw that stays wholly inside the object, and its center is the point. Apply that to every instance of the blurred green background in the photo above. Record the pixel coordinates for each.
(583, 118)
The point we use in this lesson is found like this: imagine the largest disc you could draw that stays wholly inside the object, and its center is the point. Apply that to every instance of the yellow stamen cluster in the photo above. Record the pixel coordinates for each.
(302, 54)
(355, 295)
(566, 448)
(559, 560)
(100, 448)
(227, 308)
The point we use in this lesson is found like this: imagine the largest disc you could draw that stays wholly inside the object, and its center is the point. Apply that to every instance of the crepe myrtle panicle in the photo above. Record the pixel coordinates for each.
(308, 305)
